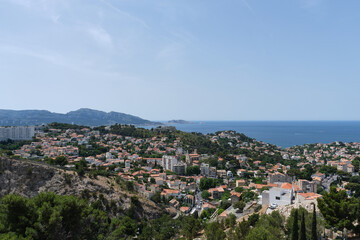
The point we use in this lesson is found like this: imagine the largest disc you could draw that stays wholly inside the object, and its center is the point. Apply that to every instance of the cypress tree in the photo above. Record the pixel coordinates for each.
(295, 227)
(302, 228)
(313, 227)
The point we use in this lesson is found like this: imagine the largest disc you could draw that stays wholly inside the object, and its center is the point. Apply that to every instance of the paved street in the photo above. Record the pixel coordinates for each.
(327, 182)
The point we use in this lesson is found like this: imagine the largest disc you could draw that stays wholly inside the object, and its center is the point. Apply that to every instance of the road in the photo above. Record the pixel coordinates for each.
(326, 183)
(198, 201)
(177, 215)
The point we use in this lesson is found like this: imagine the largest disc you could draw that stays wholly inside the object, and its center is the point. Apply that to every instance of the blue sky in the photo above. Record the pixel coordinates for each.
(183, 59)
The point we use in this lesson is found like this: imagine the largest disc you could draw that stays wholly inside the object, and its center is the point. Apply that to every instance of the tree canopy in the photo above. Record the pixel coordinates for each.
(338, 210)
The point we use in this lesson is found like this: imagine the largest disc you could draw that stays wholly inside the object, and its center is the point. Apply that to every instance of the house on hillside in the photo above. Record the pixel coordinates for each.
(277, 195)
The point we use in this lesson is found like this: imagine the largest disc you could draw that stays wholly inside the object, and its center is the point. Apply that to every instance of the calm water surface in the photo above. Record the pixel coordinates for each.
(283, 133)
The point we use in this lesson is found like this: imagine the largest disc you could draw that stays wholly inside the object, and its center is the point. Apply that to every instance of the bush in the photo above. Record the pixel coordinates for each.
(240, 205)
(258, 208)
(206, 183)
(29, 171)
(50, 216)
(130, 186)
(225, 204)
(67, 178)
(156, 198)
(253, 219)
(205, 194)
(205, 214)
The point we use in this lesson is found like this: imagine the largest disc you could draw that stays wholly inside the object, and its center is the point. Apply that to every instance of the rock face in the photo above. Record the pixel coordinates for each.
(83, 116)
(28, 178)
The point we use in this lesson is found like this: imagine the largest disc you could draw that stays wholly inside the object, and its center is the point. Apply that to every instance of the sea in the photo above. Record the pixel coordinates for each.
(282, 133)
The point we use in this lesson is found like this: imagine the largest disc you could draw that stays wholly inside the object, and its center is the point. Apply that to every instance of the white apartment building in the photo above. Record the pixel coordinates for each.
(279, 196)
(16, 133)
(168, 162)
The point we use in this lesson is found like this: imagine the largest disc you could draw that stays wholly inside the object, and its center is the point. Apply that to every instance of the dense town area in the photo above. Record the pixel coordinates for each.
(224, 178)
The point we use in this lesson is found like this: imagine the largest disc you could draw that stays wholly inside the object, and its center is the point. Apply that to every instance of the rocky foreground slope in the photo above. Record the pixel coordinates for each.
(28, 178)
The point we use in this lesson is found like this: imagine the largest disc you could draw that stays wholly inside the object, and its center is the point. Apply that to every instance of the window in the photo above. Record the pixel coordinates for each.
(277, 198)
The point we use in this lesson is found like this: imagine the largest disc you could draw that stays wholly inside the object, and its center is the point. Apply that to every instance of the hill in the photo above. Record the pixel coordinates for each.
(83, 116)
(29, 178)
(42, 202)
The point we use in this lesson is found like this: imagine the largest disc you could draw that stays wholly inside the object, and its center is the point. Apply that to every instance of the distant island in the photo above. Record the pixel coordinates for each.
(178, 122)
(83, 116)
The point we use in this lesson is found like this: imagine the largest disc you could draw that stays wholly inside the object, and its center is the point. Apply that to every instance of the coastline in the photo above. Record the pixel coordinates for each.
(281, 133)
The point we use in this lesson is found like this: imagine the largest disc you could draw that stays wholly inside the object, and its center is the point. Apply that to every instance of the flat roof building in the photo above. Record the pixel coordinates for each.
(16, 133)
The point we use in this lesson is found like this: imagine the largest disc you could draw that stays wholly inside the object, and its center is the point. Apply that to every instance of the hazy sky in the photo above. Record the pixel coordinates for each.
(183, 59)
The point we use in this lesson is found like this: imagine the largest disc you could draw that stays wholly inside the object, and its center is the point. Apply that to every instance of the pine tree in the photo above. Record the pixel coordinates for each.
(295, 227)
(302, 228)
(313, 227)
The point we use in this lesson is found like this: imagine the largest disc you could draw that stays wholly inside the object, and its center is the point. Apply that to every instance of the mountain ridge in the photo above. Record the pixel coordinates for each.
(82, 116)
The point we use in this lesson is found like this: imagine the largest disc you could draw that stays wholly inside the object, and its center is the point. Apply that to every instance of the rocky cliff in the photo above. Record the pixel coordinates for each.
(28, 178)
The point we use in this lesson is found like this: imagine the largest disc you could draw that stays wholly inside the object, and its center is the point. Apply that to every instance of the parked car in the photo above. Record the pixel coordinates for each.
(273, 206)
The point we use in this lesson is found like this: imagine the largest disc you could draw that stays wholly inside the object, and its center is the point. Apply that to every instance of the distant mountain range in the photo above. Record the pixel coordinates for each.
(83, 116)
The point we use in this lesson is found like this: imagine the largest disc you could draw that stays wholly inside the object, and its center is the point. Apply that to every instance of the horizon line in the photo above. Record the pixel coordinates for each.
(193, 121)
